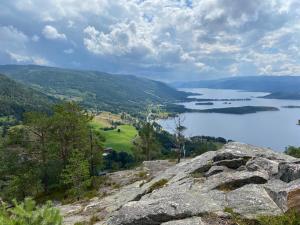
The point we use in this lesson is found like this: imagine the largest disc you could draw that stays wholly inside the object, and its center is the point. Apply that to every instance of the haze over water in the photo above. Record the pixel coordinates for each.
(274, 129)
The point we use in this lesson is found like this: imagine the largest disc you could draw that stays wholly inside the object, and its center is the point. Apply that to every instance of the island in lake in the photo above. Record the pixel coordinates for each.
(292, 106)
(240, 110)
(221, 99)
(204, 103)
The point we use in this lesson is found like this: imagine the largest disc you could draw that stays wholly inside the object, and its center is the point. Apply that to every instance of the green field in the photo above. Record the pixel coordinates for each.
(120, 141)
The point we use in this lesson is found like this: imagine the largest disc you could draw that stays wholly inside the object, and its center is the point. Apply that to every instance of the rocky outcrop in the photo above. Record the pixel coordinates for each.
(249, 181)
(289, 171)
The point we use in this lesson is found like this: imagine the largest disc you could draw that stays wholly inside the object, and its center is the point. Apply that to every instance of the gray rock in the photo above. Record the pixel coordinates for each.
(215, 170)
(289, 171)
(157, 211)
(259, 164)
(252, 181)
(285, 195)
(232, 163)
(240, 150)
(251, 201)
(188, 221)
(232, 180)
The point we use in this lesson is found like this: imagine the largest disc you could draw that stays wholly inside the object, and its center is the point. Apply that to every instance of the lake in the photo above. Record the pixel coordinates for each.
(273, 129)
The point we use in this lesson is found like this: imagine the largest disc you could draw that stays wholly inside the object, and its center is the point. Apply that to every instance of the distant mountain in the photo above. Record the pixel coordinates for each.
(284, 87)
(16, 98)
(102, 91)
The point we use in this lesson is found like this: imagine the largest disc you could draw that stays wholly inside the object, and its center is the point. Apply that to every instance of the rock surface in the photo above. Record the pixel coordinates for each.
(248, 180)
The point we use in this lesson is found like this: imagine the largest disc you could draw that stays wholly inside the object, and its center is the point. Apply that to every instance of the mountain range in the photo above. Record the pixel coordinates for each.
(16, 98)
(93, 89)
(279, 87)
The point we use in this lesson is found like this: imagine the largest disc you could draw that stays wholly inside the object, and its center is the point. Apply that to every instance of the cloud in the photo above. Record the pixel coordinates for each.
(175, 39)
(51, 33)
(28, 59)
(12, 38)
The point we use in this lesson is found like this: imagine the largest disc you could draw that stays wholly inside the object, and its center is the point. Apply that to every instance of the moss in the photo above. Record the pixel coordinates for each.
(197, 175)
(290, 218)
(157, 185)
(142, 175)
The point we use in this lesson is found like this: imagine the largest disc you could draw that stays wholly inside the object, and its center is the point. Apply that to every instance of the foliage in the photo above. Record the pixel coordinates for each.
(28, 213)
(293, 151)
(33, 156)
(118, 160)
(158, 184)
(15, 99)
(120, 141)
(96, 90)
(290, 218)
(146, 145)
(76, 174)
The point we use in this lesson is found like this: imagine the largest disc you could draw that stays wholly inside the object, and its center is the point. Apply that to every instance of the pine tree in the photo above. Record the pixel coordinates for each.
(76, 175)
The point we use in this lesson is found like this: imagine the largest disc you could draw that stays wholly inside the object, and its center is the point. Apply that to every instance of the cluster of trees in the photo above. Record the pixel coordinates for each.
(293, 151)
(16, 98)
(155, 143)
(62, 152)
(50, 152)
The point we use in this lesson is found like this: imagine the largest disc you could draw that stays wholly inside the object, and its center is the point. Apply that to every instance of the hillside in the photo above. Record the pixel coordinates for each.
(16, 98)
(281, 87)
(101, 91)
(233, 185)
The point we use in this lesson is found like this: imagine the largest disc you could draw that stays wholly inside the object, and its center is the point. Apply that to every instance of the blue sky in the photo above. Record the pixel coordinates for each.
(161, 39)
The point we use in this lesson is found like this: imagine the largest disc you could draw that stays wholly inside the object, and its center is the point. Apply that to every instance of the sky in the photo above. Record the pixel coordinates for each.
(161, 39)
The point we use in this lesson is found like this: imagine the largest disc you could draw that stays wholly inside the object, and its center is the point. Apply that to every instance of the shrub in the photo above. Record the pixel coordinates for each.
(290, 218)
(157, 185)
(28, 213)
(293, 151)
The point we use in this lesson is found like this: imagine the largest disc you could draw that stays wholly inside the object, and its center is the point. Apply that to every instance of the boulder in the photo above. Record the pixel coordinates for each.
(260, 164)
(175, 207)
(228, 181)
(215, 170)
(286, 195)
(289, 171)
(251, 201)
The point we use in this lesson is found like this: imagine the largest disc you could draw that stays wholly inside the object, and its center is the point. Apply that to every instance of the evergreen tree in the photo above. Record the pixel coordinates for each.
(146, 146)
(76, 175)
(27, 213)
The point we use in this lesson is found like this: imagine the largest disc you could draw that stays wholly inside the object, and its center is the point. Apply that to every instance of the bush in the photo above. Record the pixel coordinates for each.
(28, 213)
(290, 218)
(157, 185)
(293, 151)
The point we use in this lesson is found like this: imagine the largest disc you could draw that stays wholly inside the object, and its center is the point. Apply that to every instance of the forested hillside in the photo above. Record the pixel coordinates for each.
(102, 91)
(15, 99)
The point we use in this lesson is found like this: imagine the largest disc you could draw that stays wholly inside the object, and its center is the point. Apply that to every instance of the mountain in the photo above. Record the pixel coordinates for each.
(282, 87)
(16, 98)
(98, 90)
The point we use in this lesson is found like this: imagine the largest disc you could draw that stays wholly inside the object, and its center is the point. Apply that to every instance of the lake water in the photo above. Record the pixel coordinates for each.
(274, 129)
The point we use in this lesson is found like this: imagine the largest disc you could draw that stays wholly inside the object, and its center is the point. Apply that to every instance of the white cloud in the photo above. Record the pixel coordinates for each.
(174, 36)
(12, 38)
(19, 58)
(51, 33)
